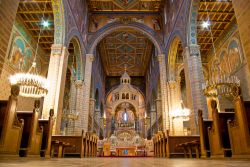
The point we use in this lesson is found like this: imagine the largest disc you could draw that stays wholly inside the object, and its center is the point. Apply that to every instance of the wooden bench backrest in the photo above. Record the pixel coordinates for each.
(247, 109)
(223, 118)
(46, 128)
(77, 141)
(3, 107)
(173, 141)
(28, 123)
(207, 123)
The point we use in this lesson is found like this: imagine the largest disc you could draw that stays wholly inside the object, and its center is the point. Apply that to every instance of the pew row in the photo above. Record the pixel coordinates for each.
(204, 140)
(10, 125)
(239, 129)
(169, 146)
(47, 125)
(81, 146)
(218, 134)
(32, 134)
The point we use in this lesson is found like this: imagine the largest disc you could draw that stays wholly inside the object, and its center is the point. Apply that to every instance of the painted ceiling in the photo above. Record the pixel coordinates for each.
(128, 49)
(125, 5)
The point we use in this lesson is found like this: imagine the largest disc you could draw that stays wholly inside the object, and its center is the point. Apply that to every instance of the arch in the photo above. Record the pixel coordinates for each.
(133, 105)
(80, 63)
(172, 71)
(111, 27)
(59, 21)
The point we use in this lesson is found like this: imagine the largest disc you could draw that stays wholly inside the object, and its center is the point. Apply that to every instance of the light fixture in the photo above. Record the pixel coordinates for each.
(205, 24)
(45, 23)
(220, 85)
(31, 83)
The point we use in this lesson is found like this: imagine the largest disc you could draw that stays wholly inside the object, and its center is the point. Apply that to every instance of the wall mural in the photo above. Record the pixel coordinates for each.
(22, 50)
(228, 62)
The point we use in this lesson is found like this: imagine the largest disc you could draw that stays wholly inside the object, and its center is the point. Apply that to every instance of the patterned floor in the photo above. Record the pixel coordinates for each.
(121, 162)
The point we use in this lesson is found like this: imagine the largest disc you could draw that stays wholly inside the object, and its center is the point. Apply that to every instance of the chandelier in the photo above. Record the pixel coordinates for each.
(32, 84)
(221, 85)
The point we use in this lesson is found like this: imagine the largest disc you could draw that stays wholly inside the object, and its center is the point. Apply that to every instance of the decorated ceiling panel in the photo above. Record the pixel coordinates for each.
(128, 49)
(125, 5)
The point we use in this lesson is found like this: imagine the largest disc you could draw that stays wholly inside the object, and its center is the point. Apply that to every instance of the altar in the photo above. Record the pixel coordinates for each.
(125, 151)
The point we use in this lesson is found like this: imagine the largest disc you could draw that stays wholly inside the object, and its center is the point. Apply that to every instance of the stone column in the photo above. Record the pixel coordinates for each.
(163, 83)
(79, 106)
(158, 113)
(194, 79)
(72, 108)
(242, 13)
(56, 76)
(91, 113)
(86, 90)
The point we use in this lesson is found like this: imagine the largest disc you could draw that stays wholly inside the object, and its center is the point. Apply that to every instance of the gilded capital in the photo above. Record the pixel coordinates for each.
(160, 57)
(90, 57)
(78, 83)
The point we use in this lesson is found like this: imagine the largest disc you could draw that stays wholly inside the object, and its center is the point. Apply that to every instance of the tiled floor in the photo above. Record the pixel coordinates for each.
(122, 162)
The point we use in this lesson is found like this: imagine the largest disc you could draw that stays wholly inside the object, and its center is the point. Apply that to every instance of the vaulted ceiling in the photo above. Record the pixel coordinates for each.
(125, 5)
(128, 49)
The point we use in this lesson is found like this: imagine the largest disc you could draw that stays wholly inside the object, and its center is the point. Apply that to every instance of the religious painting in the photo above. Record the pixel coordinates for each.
(224, 63)
(234, 56)
(16, 57)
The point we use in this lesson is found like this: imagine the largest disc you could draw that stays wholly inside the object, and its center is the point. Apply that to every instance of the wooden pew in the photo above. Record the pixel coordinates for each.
(76, 147)
(11, 127)
(172, 149)
(189, 147)
(239, 129)
(218, 134)
(203, 129)
(47, 125)
(59, 147)
(32, 133)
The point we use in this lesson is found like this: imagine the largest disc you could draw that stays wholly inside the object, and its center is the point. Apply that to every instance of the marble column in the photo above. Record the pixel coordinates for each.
(158, 113)
(86, 90)
(56, 76)
(163, 84)
(242, 13)
(194, 79)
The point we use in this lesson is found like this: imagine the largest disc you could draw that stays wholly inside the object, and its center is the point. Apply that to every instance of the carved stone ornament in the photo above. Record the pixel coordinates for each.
(214, 104)
(15, 89)
(194, 50)
(37, 104)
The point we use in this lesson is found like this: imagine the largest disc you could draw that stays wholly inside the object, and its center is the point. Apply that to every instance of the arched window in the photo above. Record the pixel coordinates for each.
(123, 96)
(127, 96)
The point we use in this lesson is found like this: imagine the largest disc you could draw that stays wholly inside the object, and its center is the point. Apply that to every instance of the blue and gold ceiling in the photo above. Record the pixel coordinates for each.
(125, 48)
(125, 5)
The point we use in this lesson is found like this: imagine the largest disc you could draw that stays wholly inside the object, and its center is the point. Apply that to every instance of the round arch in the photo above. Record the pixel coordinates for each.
(172, 57)
(133, 105)
(79, 56)
(109, 28)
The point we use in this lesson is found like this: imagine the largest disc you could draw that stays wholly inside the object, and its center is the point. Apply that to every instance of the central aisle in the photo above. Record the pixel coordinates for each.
(121, 162)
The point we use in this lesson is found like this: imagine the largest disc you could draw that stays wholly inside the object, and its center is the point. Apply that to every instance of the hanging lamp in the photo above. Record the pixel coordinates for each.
(226, 85)
(31, 84)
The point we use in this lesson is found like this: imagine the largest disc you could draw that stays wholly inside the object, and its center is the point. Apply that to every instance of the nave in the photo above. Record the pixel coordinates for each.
(124, 82)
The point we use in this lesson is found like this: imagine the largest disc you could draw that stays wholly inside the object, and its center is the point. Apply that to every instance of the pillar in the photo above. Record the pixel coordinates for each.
(56, 76)
(78, 106)
(194, 79)
(158, 113)
(242, 13)
(163, 80)
(86, 90)
(92, 113)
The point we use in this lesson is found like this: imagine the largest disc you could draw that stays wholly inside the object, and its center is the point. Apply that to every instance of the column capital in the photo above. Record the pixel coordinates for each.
(160, 57)
(57, 49)
(172, 84)
(194, 50)
(78, 83)
(90, 57)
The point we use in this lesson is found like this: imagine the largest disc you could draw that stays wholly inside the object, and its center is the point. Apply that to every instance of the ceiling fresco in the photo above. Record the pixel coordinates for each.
(128, 49)
(124, 5)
